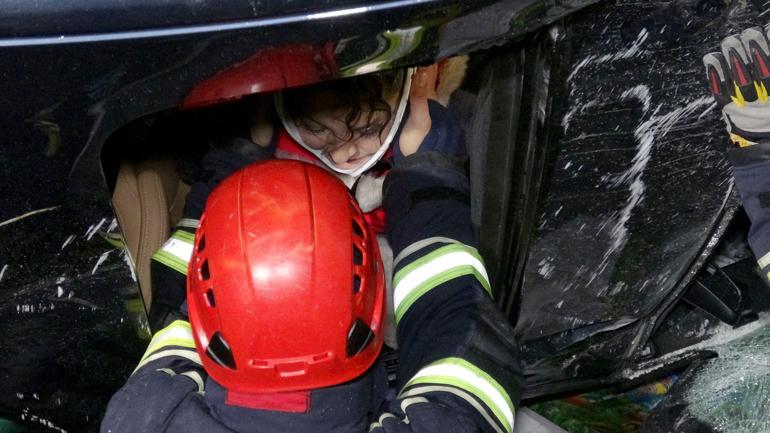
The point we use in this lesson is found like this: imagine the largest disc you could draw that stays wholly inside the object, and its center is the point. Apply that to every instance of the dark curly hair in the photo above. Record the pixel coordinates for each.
(360, 94)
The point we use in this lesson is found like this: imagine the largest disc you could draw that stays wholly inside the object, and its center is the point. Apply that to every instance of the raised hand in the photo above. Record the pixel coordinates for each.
(739, 78)
(419, 122)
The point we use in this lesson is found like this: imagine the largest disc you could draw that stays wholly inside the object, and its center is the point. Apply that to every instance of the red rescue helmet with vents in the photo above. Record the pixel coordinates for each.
(285, 286)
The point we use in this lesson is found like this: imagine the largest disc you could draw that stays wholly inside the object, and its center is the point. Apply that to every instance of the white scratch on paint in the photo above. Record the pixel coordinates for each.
(646, 134)
(545, 268)
(580, 65)
(634, 50)
(27, 215)
(101, 260)
(130, 263)
(708, 110)
(578, 108)
(640, 92)
(2, 272)
(67, 241)
(94, 228)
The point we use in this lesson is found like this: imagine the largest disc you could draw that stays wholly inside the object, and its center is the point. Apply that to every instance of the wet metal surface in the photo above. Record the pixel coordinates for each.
(639, 186)
(68, 300)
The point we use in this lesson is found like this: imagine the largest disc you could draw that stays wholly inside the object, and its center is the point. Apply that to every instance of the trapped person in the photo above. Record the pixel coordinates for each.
(285, 298)
(354, 127)
(739, 78)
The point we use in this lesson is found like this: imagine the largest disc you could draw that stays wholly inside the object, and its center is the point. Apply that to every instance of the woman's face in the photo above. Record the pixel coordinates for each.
(348, 146)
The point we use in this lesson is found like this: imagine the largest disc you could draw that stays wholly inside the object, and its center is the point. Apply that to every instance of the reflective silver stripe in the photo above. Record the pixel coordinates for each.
(462, 374)
(425, 389)
(405, 403)
(382, 418)
(444, 264)
(177, 251)
(194, 375)
(420, 245)
(189, 223)
(764, 261)
(191, 355)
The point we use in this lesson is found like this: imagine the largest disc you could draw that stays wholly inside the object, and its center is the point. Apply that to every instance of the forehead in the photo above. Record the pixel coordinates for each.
(323, 104)
(328, 111)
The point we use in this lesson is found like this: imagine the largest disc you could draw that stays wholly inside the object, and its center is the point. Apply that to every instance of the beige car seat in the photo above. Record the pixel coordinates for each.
(148, 201)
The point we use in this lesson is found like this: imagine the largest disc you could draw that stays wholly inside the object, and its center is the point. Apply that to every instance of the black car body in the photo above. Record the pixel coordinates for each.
(599, 183)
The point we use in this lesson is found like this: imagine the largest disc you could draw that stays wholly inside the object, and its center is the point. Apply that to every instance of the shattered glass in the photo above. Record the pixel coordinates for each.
(732, 392)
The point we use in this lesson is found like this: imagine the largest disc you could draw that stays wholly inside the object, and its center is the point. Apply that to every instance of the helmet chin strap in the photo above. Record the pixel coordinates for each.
(349, 176)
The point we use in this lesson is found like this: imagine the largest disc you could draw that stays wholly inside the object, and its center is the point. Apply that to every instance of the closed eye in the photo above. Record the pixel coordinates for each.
(369, 130)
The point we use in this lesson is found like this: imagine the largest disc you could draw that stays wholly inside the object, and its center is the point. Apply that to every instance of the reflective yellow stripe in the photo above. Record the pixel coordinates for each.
(462, 374)
(177, 251)
(438, 267)
(178, 333)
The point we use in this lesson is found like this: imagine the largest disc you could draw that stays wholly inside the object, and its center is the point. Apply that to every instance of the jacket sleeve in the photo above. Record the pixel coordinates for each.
(169, 372)
(458, 361)
(751, 168)
(169, 264)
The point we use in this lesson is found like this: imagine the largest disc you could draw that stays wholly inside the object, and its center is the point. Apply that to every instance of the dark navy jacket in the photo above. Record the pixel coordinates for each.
(751, 167)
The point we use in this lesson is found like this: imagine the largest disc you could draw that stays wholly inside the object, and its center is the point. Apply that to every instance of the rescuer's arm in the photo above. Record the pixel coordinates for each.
(739, 78)
(458, 361)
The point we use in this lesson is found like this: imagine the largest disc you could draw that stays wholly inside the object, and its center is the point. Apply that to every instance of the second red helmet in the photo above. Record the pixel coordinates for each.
(285, 286)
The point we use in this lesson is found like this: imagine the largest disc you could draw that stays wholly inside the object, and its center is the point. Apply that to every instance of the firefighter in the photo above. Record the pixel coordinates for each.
(739, 78)
(347, 126)
(285, 298)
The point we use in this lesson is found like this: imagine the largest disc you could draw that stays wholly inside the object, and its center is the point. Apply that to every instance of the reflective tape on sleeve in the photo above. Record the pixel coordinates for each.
(444, 264)
(176, 252)
(461, 374)
(189, 223)
(177, 334)
(764, 261)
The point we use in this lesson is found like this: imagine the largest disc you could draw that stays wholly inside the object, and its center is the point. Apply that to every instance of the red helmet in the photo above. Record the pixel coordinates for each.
(286, 285)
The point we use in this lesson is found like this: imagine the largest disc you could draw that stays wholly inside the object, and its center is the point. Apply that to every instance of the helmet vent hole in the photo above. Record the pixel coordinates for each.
(204, 272)
(359, 336)
(219, 352)
(357, 230)
(210, 301)
(356, 284)
(202, 244)
(358, 256)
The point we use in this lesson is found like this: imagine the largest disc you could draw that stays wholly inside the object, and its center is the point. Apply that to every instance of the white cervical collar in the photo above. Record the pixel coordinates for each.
(291, 128)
